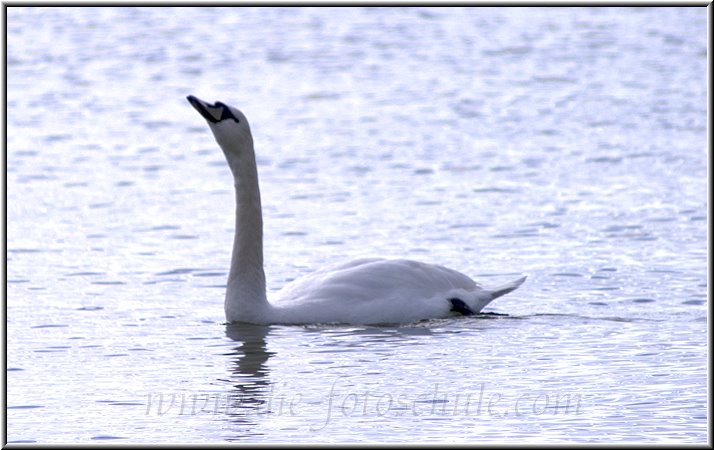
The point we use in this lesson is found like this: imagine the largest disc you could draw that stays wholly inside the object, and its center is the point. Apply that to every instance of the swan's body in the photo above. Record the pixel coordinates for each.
(365, 291)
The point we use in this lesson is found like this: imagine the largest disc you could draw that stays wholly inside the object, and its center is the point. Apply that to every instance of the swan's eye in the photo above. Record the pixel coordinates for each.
(226, 113)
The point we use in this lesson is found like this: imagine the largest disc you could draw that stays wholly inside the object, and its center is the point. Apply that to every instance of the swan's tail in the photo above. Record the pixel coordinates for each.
(506, 288)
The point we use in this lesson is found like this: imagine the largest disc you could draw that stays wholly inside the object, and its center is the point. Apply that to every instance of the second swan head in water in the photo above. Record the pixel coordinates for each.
(363, 291)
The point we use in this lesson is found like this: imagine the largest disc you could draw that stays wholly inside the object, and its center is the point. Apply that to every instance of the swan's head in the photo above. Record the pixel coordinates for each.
(229, 127)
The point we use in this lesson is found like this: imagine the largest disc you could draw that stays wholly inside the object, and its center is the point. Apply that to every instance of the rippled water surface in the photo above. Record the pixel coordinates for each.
(566, 144)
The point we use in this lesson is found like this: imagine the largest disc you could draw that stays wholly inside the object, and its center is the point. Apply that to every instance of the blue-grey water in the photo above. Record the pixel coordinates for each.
(568, 144)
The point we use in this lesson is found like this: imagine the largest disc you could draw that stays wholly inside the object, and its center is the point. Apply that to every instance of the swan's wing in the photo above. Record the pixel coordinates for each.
(366, 279)
(378, 291)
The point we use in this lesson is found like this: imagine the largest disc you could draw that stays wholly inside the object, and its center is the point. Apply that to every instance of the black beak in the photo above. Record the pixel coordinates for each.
(212, 113)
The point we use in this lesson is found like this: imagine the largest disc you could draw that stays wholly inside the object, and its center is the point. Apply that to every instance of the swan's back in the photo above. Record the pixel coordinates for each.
(377, 291)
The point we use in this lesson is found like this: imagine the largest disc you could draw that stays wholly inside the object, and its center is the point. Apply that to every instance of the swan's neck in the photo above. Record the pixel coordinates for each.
(245, 296)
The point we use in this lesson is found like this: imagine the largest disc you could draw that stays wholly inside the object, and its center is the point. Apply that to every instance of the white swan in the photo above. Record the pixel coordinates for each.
(365, 291)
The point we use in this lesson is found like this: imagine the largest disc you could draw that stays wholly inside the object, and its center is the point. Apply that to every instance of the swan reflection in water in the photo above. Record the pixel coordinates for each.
(251, 388)
(251, 394)
(251, 391)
